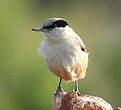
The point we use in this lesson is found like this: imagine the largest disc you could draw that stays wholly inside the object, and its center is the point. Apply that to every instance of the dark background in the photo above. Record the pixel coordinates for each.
(25, 81)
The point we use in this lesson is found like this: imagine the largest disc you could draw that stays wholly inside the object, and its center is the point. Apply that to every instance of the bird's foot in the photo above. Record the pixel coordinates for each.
(76, 91)
(59, 89)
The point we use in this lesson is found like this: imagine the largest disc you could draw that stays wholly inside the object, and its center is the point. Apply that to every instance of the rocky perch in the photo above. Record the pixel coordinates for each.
(73, 101)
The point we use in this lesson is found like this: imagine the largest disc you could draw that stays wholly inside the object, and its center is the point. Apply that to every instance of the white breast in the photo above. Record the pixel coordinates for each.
(64, 55)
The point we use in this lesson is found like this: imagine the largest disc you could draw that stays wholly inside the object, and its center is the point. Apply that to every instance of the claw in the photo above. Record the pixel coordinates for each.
(76, 91)
(59, 90)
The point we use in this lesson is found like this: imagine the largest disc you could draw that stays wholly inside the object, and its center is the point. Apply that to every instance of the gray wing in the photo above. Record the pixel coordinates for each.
(81, 43)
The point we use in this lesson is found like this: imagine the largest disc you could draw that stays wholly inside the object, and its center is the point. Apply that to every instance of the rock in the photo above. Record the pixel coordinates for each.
(118, 108)
(73, 101)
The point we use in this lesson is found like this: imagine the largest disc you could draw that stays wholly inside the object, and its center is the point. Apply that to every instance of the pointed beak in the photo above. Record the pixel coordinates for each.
(38, 29)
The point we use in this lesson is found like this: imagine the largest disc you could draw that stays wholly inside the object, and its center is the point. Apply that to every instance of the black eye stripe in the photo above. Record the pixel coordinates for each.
(59, 23)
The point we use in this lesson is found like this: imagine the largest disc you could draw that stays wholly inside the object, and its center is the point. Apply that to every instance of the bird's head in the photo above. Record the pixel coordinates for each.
(54, 27)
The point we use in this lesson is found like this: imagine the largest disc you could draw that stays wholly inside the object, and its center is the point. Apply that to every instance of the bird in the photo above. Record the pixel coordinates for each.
(63, 50)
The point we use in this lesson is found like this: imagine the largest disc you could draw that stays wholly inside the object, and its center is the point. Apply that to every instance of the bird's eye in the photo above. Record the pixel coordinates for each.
(60, 23)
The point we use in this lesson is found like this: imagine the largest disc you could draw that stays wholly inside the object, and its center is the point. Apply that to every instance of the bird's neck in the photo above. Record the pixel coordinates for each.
(58, 37)
(54, 38)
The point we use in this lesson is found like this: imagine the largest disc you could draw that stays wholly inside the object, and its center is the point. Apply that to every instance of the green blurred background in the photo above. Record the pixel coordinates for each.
(25, 81)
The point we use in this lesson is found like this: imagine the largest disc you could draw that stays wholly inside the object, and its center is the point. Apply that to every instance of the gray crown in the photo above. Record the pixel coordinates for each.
(54, 22)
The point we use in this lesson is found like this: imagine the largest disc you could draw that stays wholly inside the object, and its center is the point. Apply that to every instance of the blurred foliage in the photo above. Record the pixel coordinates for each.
(25, 81)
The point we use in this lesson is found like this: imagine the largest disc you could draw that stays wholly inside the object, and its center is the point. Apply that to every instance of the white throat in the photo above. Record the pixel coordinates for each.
(59, 34)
